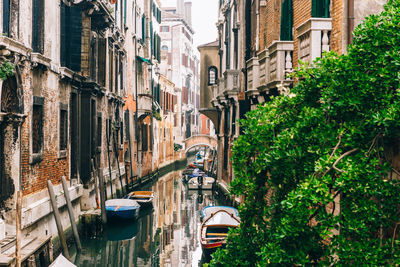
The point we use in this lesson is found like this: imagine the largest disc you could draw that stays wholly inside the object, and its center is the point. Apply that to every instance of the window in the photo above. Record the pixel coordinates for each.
(6, 17)
(144, 137)
(164, 29)
(99, 129)
(63, 126)
(287, 20)
(38, 26)
(37, 128)
(126, 119)
(212, 75)
(320, 8)
(71, 30)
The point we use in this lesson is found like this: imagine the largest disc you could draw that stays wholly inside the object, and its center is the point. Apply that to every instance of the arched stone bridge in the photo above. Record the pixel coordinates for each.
(200, 140)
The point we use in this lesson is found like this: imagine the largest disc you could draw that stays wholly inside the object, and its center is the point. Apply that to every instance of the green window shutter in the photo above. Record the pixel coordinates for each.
(151, 37)
(75, 41)
(144, 28)
(287, 20)
(320, 8)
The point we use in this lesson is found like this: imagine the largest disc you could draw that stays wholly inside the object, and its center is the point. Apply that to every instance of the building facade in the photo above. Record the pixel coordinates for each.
(78, 100)
(181, 65)
(259, 44)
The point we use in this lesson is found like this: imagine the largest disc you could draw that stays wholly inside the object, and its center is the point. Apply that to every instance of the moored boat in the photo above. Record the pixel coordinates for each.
(121, 208)
(201, 182)
(144, 198)
(61, 261)
(216, 224)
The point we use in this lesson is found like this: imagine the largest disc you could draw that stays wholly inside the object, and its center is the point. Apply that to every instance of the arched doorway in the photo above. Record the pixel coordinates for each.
(11, 118)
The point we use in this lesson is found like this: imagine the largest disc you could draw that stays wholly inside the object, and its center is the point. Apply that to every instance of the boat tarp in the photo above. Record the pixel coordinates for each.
(207, 211)
(61, 261)
(222, 217)
(122, 202)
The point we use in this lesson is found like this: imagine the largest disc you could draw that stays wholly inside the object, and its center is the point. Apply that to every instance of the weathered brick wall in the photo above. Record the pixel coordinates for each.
(262, 29)
(273, 21)
(301, 13)
(337, 26)
(35, 176)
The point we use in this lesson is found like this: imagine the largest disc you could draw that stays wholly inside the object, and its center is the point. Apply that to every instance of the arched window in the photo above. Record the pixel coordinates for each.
(212, 75)
(164, 47)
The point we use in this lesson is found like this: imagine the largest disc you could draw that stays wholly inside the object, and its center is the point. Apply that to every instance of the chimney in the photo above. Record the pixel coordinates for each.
(180, 8)
(188, 13)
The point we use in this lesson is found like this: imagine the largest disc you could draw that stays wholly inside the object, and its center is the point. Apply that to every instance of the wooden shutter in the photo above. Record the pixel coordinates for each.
(287, 20)
(75, 36)
(320, 8)
(64, 44)
(101, 54)
(144, 28)
(6, 17)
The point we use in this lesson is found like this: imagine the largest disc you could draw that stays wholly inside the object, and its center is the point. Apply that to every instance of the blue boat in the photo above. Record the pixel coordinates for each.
(122, 208)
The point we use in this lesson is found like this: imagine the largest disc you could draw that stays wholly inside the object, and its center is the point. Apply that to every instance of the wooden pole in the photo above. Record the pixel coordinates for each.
(57, 219)
(108, 153)
(71, 214)
(18, 230)
(117, 158)
(96, 188)
(102, 196)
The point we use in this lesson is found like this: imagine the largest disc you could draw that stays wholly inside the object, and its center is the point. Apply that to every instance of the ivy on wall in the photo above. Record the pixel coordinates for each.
(6, 70)
(332, 139)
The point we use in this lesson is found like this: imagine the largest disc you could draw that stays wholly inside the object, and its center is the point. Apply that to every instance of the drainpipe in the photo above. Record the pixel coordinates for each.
(136, 97)
(350, 18)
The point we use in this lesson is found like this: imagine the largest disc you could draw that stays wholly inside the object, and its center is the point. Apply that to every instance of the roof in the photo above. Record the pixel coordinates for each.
(211, 44)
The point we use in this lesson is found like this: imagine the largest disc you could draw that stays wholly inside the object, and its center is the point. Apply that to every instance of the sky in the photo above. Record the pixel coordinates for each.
(204, 19)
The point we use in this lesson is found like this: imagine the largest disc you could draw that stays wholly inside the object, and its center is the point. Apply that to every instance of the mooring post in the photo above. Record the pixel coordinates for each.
(18, 230)
(96, 187)
(57, 219)
(102, 197)
(71, 214)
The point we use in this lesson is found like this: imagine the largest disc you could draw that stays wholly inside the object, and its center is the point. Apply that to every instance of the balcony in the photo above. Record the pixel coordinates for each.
(100, 11)
(231, 80)
(263, 69)
(144, 105)
(253, 78)
(313, 37)
(280, 63)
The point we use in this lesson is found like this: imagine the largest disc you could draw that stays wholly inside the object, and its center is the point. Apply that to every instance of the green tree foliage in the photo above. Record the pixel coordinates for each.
(6, 70)
(333, 138)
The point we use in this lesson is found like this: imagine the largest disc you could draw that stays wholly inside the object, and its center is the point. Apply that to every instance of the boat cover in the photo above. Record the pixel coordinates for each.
(222, 217)
(122, 202)
(61, 261)
(207, 211)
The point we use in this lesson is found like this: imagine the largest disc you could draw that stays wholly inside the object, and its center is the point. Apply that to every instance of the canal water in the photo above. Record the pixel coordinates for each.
(165, 235)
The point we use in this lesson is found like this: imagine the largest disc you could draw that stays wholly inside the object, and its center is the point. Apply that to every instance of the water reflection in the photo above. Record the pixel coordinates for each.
(165, 235)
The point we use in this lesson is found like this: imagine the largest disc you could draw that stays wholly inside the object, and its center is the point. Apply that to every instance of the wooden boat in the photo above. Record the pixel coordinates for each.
(201, 182)
(209, 210)
(216, 224)
(122, 208)
(61, 261)
(144, 198)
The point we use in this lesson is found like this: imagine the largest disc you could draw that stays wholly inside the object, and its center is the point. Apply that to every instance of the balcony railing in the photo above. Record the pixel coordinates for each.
(231, 80)
(253, 77)
(280, 62)
(264, 68)
(314, 38)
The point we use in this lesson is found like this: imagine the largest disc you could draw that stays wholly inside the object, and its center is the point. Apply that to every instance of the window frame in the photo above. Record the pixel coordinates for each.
(36, 157)
(210, 69)
(63, 150)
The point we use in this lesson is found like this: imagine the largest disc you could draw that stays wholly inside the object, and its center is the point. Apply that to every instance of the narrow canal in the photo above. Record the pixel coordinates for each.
(165, 235)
